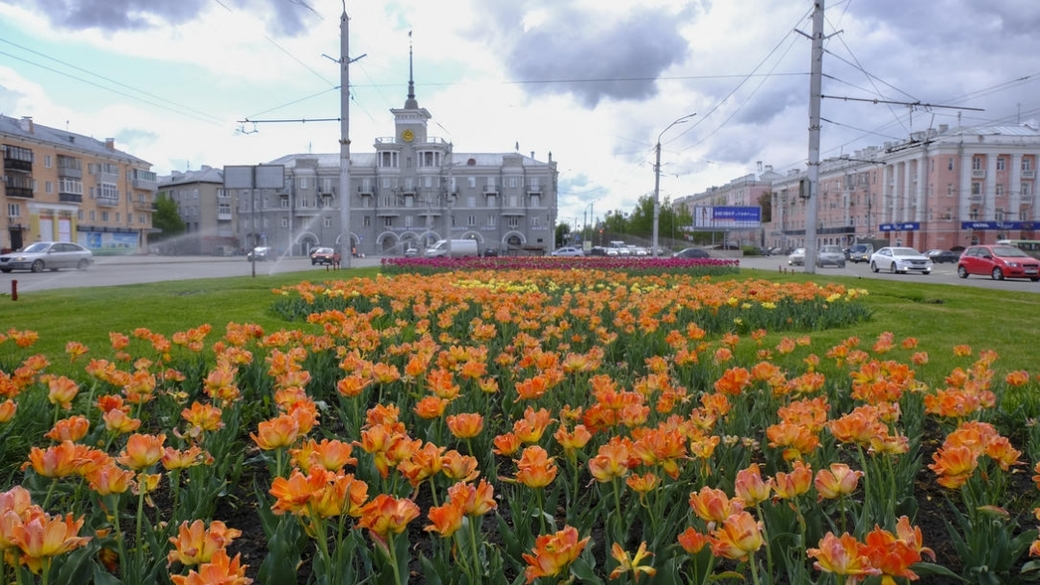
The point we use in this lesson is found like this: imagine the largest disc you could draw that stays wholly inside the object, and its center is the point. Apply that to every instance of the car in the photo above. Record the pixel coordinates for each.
(941, 256)
(692, 253)
(830, 256)
(568, 251)
(328, 256)
(638, 251)
(259, 253)
(40, 256)
(490, 252)
(860, 252)
(797, 258)
(896, 259)
(411, 252)
(598, 251)
(998, 262)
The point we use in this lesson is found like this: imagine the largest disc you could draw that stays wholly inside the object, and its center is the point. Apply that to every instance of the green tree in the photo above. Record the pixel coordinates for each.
(166, 218)
(563, 233)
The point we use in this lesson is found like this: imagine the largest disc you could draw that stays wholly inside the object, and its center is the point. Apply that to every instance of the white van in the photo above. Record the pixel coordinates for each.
(459, 249)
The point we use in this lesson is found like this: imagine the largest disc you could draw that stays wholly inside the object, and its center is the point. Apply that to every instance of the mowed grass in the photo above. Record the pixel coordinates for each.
(939, 316)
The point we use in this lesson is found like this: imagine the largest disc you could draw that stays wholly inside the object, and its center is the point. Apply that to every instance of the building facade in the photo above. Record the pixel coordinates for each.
(208, 210)
(746, 191)
(413, 190)
(945, 188)
(62, 186)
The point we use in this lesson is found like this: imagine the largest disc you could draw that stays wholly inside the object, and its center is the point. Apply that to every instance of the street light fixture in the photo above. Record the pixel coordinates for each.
(657, 179)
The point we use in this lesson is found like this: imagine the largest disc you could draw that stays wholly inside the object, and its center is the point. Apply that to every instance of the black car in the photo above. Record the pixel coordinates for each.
(692, 253)
(940, 256)
(490, 252)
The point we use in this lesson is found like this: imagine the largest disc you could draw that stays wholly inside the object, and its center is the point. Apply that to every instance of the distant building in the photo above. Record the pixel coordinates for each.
(58, 185)
(943, 188)
(746, 191)
(412, 191)
(207, 210)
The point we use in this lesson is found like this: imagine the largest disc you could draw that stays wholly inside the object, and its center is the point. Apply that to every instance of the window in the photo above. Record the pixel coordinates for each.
(409, 200)
(976, 163)
(1023, 214)
(409, 185)
(998, 214)
(328, 221)
(1026, 189)
(976, 188)
(15, 210)
(492, 201)
(368, 221)
(224, 208)
(974, 215)
(104, 216)
(386, 201)
(117, 217)
(536, 200)
(79, 215)
(471, 201)
(513, 222)
(47, 187)
(472, 182)
(408, 221)
(491, 221)
(999, 190)
(1027, 164)
(512, 181)
(1001, 161)
(949, 163)
(129, 219)
(285, 222)
(70, 186)
(108, 191)
(534, 221)
(283, 202)
(301, 182)
(93, 217)
(471, 220)
(388, 222)
(47, 160)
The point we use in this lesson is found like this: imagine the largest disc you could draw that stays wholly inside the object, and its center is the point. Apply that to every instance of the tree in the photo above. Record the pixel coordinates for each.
(167, 218)
(563, 233)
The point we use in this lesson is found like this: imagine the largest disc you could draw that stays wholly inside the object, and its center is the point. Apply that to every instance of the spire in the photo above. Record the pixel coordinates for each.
(411, 103)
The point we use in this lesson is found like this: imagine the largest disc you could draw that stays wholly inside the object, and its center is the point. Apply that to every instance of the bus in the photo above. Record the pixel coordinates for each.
(1031, 247)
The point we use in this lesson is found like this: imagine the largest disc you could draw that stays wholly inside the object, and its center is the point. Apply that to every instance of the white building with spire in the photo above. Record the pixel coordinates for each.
(411, 191)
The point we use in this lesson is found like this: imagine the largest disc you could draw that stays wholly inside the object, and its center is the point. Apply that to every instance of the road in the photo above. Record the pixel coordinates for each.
(121, 270)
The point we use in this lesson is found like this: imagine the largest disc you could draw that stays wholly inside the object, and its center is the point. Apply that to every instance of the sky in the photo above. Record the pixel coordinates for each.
(596, 84)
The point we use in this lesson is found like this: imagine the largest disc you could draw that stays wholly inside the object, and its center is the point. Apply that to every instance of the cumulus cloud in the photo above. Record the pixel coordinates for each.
(283, 17)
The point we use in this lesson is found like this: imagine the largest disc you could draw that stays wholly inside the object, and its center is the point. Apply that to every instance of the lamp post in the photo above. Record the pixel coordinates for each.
(657, 179)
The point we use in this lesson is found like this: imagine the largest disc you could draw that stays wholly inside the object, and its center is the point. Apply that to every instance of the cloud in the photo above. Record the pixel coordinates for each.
(590, 54)
(284, 17)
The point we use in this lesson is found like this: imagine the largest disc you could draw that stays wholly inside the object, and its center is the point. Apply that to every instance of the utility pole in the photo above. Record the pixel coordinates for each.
(815, 92)
(346, 246)
(657, 181)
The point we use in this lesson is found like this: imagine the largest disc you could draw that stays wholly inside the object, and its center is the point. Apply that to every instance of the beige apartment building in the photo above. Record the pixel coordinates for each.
(63, 186)
(944, 188)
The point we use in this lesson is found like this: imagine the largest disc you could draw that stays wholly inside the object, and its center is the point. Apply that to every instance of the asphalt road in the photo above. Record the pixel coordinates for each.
(122, 270)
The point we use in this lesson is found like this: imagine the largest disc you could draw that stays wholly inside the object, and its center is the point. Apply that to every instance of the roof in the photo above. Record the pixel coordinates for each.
(206, 174)
(368, 160)
(63, 138)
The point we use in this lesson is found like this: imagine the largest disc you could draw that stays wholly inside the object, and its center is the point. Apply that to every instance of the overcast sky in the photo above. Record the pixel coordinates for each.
(595, 83)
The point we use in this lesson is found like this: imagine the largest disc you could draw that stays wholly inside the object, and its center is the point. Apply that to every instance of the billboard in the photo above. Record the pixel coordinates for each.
(707, 217)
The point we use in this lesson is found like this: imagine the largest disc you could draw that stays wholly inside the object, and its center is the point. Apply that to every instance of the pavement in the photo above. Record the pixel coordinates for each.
(135, 259)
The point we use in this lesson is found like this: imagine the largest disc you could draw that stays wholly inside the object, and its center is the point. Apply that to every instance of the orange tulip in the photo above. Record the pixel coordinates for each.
(431, 407)
(750, 487)
(42, 537)
(110, 479)
(692, 541)
(713, 505)
(333, 455)
(8, 408)
(954, 465)
(60, 460)
(61, 391)
(292, 494)
(72, 429)
(837, 481)
(276, 433)
(119, 422)
(788, 486)
(221, 570)
(611, 461)
(446, 519)
(553, 553)
(386, 515)
(631, 563)
(205, 417)
(841, 556)
(142, 451)
(459, 467)
(466, 425)
(573, 440)
(423, 464)
(196, 544)
(475, 501)
(506, 444)
(737, 537)
(535, 468)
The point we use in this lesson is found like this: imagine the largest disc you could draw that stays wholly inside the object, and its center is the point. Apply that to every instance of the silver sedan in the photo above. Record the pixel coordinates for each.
(41, 256)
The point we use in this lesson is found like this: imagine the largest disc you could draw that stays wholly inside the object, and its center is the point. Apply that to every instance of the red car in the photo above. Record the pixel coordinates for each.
(327, 256)
(998, 262)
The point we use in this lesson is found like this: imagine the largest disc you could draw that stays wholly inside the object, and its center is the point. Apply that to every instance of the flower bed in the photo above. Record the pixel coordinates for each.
(631, 265)
(509, 426)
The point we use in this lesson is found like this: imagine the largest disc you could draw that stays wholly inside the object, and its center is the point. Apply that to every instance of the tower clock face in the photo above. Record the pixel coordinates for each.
(408, 135)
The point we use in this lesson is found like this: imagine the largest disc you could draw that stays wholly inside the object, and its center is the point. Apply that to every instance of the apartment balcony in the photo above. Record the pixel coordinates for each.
(1030, 174)
(108, 201)
(70, 197)
(70, 173)
(17, 164)
(144, 206)
(1027, 198)
(975, 198)
(20, 192)
(978, 173)
(145, 184)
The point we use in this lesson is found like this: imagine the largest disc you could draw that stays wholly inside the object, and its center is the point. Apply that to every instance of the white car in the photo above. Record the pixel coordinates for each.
(53, 256)
(568, 251)
(797, 258)
(897, 259)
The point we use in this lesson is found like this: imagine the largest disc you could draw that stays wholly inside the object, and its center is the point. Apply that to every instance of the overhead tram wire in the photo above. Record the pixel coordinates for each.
(213, 119)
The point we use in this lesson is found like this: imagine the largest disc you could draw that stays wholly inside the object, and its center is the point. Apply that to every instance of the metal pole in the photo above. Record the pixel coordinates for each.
(657, 180)
(815, 90)
(344, 141)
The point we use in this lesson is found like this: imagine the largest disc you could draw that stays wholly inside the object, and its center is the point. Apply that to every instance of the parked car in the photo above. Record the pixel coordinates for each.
(941, 256)
(999, 262)
(830, 256)
(490, 252)
(900, 259)
(597, 251)
(796, 258)
(325, 256)
(860, 252)
(40, 256)
(411, 252)
(692, 253)
(259, 253)
(568, 251)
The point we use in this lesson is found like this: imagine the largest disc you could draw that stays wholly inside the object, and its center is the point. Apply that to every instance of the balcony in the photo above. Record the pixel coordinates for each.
(975, 198)
(68, 172)
(145, 184)
(22, 192)
(70, 197)
(978, 173)
(144, 206)
(224, 216)
(108, 201)
(1030, 174)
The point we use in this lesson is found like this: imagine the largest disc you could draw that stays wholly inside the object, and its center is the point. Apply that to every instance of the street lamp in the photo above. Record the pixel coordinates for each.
(657, 179)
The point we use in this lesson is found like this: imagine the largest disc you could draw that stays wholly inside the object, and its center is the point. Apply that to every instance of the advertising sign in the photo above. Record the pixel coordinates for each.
(910, 226)
(706, 217)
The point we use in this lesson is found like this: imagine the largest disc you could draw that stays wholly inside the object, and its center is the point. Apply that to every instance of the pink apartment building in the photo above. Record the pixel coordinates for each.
(944, 188)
